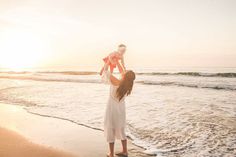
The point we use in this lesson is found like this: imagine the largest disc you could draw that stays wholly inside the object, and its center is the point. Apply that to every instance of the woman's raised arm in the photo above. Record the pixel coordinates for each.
(121, 69)
(105, 67)
(107, 77)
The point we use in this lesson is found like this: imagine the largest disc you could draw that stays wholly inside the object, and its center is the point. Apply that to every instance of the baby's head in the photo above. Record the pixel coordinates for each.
(121, 49)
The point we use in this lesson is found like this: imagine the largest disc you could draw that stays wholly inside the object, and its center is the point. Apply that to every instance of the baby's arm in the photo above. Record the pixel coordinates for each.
(123, 62)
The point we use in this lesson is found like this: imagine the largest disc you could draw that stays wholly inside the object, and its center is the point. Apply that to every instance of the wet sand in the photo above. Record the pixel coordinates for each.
(51, 134)
(14, 145)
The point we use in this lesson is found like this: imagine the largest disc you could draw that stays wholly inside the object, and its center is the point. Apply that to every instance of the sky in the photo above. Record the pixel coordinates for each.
(72, 34)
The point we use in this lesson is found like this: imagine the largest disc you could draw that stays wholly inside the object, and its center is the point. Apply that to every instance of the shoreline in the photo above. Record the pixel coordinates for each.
(58, 134)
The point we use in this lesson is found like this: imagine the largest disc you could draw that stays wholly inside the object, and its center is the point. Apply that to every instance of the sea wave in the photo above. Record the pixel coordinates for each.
(35, 78)
(194, 74)
(52, 72)
(192, 85)
(144, 82)
(199, 74)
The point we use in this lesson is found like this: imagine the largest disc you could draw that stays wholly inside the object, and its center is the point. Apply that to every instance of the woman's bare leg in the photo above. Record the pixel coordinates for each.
(124, 151)
(111, 147)
(124, 146)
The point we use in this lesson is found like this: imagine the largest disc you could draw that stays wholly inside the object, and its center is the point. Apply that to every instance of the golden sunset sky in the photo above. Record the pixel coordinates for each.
(74, 33)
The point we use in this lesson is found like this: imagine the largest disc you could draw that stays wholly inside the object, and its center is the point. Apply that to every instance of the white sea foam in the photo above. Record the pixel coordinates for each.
(164, 116)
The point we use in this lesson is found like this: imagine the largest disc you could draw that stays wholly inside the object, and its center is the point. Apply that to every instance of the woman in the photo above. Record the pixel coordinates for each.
(115, 116)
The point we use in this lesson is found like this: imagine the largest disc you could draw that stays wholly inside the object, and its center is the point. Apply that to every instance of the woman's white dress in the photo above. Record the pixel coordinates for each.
(115, 115)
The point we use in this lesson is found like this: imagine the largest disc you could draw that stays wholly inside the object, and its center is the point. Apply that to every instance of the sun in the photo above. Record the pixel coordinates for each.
(21, 50)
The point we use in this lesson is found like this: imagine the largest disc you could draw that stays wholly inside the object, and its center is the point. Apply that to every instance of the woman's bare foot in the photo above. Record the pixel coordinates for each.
(122, 154)
(110, 155)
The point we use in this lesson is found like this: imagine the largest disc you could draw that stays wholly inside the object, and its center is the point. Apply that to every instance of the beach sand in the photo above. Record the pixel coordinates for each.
(50, 134)
(14, 145)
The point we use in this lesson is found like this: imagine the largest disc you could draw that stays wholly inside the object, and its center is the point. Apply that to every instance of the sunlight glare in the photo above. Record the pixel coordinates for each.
(21, 49)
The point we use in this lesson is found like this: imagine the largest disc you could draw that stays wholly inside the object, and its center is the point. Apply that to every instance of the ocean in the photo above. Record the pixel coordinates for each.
(171, 111)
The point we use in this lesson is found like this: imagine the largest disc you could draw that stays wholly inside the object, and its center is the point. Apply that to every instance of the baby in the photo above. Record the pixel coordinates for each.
(113, 57)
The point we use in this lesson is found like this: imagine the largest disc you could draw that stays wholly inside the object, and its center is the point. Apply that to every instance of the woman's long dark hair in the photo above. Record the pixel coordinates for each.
(126, 84)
